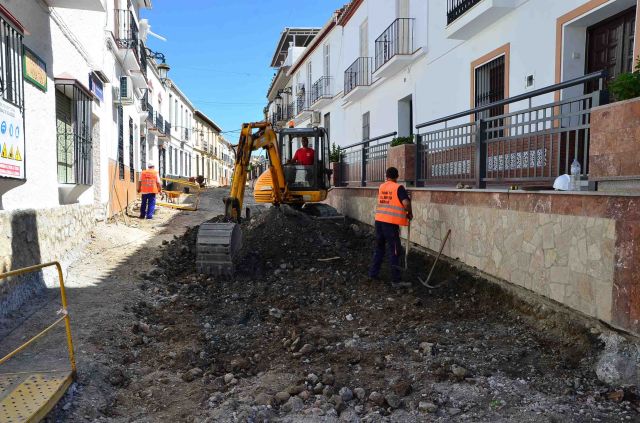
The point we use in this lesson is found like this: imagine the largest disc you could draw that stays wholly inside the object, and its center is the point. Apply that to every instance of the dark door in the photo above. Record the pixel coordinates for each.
(489, 88)
(610, 45)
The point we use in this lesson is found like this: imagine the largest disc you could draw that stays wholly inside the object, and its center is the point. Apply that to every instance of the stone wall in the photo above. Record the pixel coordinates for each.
(29, 237)
(580, 250)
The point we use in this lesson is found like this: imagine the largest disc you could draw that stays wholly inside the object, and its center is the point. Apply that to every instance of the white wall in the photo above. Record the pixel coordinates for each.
(439, 80)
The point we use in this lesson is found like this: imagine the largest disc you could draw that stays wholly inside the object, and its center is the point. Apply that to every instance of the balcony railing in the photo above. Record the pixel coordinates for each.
(395, 40)
(457, 8)
(159, 122)
(364, 162)
(528, 145)
(321, 89)
(149, 113)
(143, 58)
(358, 74)
(126, 31)
(302, 104)
(167, 128)
(186, 134)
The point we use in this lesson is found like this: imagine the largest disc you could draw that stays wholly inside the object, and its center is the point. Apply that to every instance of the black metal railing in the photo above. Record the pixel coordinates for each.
(167, 128)
(397, 39)
(457, 8)
(186, 134)
(358, 74)
(159, 122)
(143, 58)
(302, 104)
(126, 29)
(531, 142)
(150, 114)
(364, 162)
(11, 50)
(321, 89)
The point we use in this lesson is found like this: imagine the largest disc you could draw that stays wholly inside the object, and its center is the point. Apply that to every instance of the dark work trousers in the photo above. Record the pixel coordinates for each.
(148, 206)
(387, 234)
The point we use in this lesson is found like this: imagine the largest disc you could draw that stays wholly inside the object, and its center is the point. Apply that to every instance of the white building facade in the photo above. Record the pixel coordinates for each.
(180, 148)
(382, 67)
(206, 147)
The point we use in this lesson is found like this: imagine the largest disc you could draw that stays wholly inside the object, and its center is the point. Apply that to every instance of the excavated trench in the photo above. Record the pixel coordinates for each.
(301, 334)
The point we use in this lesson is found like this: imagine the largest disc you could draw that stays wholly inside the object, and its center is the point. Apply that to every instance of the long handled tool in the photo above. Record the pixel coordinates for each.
(426, 283)
(406, 247)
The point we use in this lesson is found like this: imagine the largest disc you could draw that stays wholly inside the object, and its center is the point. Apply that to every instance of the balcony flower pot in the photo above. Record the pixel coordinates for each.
(403, 158)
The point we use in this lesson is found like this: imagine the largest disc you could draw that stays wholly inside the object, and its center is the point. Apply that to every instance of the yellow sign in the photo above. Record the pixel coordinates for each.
(35, 69)
(18, 156)
(4, 151)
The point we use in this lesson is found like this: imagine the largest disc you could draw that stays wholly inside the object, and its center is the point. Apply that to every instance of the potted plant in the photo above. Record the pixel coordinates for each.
(626, 85)
(402, 156)
(335, 156)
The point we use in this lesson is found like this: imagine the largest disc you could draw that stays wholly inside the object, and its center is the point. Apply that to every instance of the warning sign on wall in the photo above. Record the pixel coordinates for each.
(11, 141)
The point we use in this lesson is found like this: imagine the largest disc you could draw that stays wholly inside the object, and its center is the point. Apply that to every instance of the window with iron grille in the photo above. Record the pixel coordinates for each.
(489, 88)
(143, 152)
(11, 78)
(365, 126)
(120, 143)
(73, 133)
(132, 170)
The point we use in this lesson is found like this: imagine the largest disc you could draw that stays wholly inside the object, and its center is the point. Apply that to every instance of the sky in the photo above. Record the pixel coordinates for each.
(220, 51)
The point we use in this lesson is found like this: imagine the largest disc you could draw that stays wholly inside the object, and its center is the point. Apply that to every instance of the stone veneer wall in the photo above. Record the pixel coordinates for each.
(29, 237)
(580, 250)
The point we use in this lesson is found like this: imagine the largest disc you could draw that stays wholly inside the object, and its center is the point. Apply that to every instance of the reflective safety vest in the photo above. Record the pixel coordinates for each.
(390, 208)
(149, 181)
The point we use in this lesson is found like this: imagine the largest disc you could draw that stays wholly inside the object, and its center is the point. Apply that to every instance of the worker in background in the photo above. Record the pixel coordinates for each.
(393, 210)
(304, 155)
(149, 185)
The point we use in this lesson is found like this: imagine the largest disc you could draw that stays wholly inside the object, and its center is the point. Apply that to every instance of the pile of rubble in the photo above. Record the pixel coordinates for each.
(300, 333)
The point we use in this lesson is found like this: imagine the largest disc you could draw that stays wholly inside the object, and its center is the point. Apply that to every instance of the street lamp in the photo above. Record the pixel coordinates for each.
(163, 69)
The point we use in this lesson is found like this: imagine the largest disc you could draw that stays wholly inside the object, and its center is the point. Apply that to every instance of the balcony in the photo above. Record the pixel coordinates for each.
(159, 123)
(127, 39)
(465, 18)
(167, 128)
(321, 92)
(303, 110)
(394, 48)
(358, 79)
(186, 134)
(149, 109)
(93, 5)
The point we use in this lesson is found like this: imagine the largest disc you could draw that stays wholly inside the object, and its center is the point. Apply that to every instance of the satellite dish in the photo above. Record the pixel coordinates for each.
(145, 30)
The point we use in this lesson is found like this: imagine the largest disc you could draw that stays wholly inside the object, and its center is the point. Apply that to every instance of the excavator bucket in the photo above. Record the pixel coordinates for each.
(216, 247)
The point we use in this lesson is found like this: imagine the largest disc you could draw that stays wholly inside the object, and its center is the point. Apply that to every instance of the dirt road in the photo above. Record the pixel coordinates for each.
(301, 334)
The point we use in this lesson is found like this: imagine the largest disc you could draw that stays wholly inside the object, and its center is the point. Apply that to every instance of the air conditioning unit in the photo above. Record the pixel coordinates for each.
(315, 118)
(123, 94)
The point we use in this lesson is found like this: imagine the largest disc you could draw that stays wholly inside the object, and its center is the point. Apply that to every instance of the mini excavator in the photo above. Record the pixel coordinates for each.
(283, 182)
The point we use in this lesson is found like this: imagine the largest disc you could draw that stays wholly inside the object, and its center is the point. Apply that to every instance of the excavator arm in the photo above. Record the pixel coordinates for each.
(249, 141)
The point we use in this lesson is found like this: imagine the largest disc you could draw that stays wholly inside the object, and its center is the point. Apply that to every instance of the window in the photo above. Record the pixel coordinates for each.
(489, 86)
(326, 52)
(120, 143)
(198, 165)
(132, 170)
(143, 153)
(309, 78)
(11, 64)
(170, 160)
(364, 39)
(170, 117)
(365, 126)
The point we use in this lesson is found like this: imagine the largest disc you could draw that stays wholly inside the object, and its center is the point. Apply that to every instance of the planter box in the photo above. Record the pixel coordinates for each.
(403, 158)
(614, 150)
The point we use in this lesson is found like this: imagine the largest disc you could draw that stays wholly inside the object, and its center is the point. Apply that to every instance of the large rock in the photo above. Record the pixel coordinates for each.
(619, 362)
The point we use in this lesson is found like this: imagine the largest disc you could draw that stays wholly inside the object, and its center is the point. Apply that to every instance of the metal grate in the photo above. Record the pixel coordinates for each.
(120, 143)
(132, 170)
(11, 79)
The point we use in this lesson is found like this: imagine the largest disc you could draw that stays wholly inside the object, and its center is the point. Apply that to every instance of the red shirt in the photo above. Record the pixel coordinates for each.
(304, 156)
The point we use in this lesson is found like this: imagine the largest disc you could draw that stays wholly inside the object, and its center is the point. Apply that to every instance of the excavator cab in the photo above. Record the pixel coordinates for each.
(305, 183)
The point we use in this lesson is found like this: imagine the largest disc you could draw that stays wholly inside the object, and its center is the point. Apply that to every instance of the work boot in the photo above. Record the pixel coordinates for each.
(400, 285)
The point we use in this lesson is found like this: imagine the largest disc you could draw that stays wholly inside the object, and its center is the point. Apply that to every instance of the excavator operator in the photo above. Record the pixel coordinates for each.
(304, 155)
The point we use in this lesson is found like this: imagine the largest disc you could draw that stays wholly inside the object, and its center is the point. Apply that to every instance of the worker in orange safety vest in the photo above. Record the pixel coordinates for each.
(393, 210)
(149, 185)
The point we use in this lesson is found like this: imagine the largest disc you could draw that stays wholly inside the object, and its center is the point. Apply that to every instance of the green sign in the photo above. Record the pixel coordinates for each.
(35, 69)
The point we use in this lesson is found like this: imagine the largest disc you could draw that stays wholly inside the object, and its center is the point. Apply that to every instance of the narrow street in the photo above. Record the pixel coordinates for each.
(301, 334)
